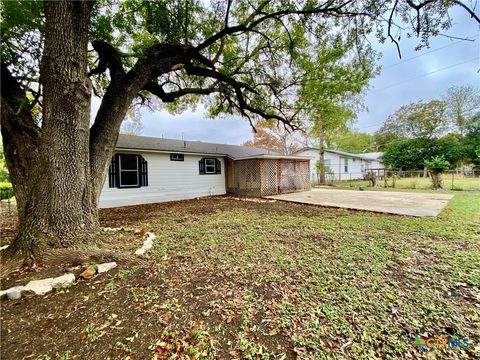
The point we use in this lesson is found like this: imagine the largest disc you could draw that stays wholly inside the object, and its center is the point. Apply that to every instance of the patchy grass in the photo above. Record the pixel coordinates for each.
(234, 279)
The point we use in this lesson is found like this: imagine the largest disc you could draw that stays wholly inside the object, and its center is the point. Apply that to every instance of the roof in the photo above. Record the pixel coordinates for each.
(371, 155)
(235, 152)
(338, 152)
(364, 156)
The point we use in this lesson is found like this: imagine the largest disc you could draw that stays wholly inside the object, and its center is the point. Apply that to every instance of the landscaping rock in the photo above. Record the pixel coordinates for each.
(151, 236)
(89, 272)
(147, 244)
(3, 293)
(140, 251)
(4, 247)
(63, 281)
(14, 293)
(106, 267)
(39, 287)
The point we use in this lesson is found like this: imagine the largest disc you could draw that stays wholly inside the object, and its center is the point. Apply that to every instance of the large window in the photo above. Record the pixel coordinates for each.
(128, 171)
(209, 166)
(128, 167)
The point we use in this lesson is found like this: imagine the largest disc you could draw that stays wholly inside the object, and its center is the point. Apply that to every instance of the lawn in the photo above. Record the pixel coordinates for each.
(264, 280)
(457, 183)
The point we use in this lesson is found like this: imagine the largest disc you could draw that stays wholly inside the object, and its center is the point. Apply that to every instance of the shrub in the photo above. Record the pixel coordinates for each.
(6, 191)
(436, 166)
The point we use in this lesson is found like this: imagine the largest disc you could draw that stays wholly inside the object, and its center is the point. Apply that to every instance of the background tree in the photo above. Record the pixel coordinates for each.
(420, 119)
(471, 142)
(252, 58)
(330, 97)
(383, 139)
(3, 167)
(275, 137)
(462, 104)
(411, 154)
(353, 141)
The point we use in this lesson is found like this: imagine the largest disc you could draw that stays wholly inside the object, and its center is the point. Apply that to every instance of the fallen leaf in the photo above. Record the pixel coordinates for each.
(89, 272)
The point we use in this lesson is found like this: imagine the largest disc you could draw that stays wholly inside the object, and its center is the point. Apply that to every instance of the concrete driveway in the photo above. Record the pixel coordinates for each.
(401, 203)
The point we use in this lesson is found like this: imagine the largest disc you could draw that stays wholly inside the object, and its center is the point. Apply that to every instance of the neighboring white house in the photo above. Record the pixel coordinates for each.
(342, 165)
(149, 170)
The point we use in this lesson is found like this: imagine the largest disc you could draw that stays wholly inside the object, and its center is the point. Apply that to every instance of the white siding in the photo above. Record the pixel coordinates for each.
(167, 181)
(337, 165)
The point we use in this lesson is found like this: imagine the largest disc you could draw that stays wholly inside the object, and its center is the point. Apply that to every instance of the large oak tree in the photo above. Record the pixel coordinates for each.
(251, 58)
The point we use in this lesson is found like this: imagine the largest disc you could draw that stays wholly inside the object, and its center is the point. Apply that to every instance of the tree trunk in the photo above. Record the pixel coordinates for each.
(57, 207)
(436, 180)
(321, 136)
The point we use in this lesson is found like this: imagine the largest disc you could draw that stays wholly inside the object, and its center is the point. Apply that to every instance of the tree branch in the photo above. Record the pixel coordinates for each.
(158, 91)
(21, 135)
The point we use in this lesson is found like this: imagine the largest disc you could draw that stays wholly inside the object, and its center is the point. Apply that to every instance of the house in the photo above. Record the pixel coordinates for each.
(148, 170)
(341, 165)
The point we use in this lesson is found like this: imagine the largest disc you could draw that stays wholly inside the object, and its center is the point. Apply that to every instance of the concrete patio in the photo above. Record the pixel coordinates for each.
(400, 203)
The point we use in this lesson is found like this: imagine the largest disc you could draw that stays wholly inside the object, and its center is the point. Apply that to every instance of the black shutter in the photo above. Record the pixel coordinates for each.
(201, 166)
(114, 172)
(143, 171)
(116, 158)
(218, 166)
(111, 173)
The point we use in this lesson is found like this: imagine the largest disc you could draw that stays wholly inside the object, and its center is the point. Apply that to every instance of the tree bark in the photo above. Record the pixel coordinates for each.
(54, 194)
(321, 137)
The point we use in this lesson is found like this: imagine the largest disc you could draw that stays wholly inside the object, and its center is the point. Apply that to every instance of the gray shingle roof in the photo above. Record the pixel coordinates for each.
(187, 146)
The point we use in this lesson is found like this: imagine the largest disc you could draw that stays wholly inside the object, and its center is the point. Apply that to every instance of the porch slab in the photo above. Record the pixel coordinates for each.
(400, 203)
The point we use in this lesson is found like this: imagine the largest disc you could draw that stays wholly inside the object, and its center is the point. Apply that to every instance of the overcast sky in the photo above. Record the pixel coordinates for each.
(424, 74)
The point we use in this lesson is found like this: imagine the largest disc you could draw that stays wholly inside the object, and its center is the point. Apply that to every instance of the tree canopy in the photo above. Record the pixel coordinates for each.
(269, 135)
(281, 60)
(420, 119)
(411, 154)
(266, 59)
(353, 141)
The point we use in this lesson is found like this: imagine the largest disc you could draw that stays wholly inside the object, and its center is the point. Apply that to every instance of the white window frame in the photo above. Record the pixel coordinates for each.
(345, 165)
(177, 157)
(127, 170)
(213, 165)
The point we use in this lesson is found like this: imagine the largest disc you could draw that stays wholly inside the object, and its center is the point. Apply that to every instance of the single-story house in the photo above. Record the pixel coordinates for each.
(342, 165)
(148, 170)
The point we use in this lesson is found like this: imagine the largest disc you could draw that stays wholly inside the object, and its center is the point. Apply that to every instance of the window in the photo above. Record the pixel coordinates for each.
(209, 166)
(128, 171)
(326, 163)
(345, 165)
(176, 157)
(128, 167)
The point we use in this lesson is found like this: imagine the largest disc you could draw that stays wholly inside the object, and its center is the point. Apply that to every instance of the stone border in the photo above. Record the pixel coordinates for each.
(42, 287)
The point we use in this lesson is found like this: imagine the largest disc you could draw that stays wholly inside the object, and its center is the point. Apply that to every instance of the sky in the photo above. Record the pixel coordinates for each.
(419, 75)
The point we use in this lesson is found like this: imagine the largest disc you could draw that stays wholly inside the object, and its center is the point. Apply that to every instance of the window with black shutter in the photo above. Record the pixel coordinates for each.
(128, 171)
(210, 166)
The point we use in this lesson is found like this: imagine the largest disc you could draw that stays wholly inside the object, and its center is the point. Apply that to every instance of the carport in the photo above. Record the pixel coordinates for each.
(400, 203)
